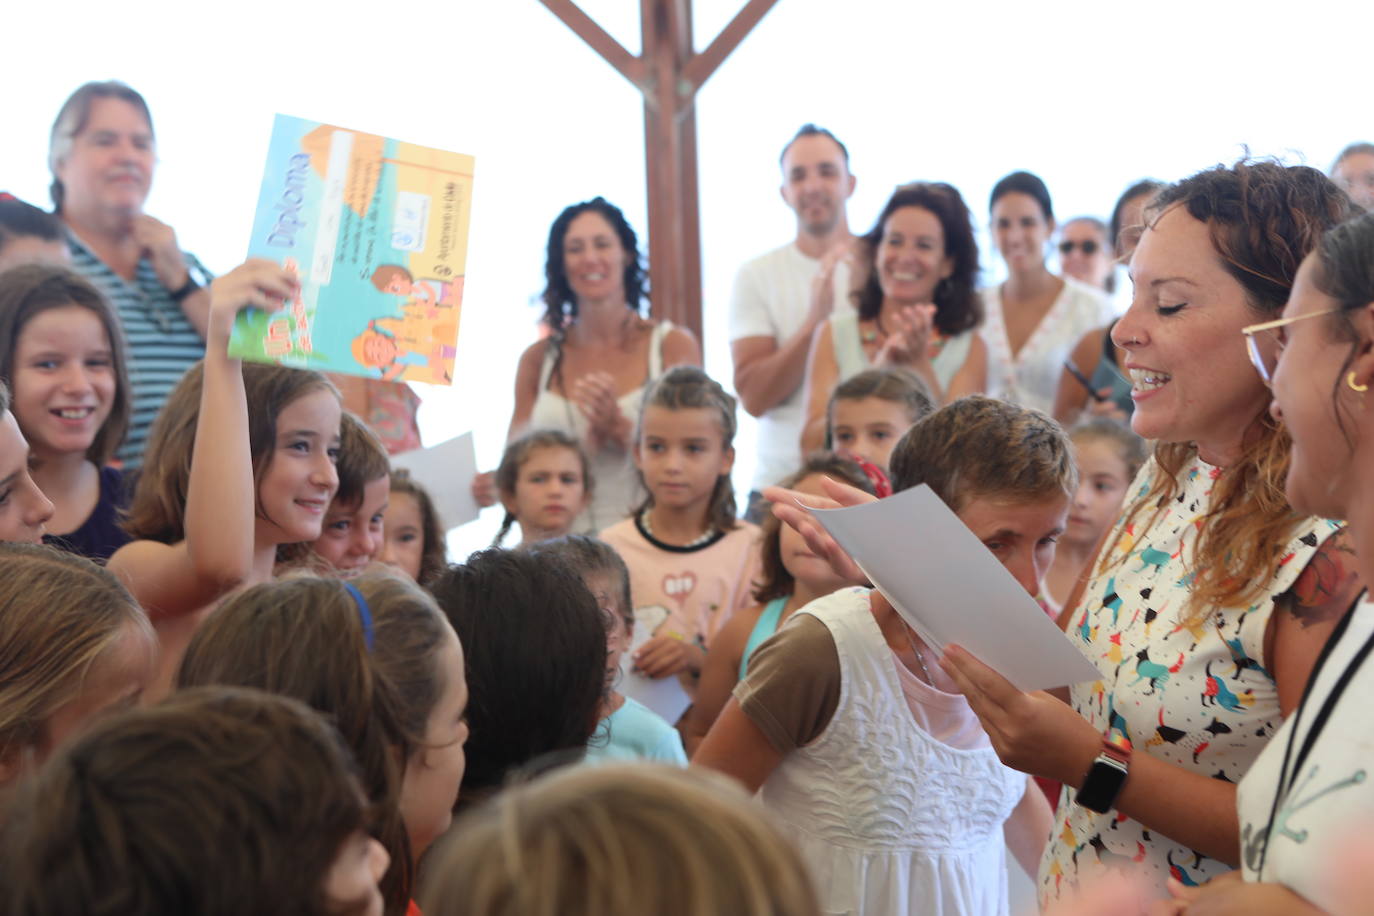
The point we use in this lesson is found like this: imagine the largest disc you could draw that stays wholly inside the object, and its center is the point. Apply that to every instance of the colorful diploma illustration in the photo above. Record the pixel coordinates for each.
(377, 231)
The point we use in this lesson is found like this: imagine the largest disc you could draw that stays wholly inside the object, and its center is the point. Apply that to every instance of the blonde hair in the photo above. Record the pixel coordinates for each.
(60, 614)
(619, 840)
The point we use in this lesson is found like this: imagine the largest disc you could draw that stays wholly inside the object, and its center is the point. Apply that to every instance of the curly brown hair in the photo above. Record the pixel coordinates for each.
(958, 307)
(1263, 219)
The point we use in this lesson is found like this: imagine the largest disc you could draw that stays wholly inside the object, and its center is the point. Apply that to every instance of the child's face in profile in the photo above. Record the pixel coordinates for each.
(1102, 481)
(1021, 534)
(23, 507)
(868, 427)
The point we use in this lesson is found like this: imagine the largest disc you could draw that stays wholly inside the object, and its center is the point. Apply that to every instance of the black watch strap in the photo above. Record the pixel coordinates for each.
(187, 288)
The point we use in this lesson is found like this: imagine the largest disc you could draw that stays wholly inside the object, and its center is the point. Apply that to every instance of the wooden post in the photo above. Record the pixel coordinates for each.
(668, 73)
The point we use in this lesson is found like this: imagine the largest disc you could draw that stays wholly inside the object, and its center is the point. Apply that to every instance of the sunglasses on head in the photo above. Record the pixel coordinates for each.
(1088, 245)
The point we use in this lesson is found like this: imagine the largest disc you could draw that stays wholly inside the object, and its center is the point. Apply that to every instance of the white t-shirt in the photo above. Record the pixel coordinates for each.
(1331, 799)
(771, 296)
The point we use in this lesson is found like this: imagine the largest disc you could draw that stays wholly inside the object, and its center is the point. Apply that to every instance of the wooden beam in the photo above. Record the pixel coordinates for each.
(601, 41)
(668, 74)
(700, 68)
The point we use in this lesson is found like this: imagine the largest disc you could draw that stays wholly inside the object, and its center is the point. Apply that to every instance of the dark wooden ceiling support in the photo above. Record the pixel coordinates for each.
(668, 73)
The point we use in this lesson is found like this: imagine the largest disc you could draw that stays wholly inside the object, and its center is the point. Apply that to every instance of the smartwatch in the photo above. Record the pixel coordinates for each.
(1106, 776)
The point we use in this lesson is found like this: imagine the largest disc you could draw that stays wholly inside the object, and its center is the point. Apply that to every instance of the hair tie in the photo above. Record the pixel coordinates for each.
(364, 612)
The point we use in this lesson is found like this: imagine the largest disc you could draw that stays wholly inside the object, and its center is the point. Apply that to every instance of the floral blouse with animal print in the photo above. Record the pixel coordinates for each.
(1192, 693)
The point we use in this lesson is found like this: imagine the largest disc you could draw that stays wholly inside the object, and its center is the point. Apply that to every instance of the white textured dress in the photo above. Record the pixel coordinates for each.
(890, 819)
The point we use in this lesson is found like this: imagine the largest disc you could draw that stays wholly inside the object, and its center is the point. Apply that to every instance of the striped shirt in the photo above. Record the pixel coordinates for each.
(159, 339)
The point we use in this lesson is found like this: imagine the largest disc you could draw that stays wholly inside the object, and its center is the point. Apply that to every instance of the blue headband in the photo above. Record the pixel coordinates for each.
(364, 612)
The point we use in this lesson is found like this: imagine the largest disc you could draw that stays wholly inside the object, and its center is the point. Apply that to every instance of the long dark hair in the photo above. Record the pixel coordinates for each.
(958, 307)
(560, 305)
(538, 666)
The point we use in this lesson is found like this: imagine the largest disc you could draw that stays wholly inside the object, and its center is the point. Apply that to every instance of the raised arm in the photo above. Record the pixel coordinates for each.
(217, 553)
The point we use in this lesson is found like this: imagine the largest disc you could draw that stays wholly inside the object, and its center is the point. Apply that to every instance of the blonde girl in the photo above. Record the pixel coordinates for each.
(73, 645)
(545, 483)
(62, 354)
(412, 530)
(791, 578)
(619, 840)
(1108, 455)
(377, 657)
(689, 557)
(225, 484)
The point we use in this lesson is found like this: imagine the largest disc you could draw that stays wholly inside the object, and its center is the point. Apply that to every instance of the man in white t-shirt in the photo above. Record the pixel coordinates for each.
(781, 296)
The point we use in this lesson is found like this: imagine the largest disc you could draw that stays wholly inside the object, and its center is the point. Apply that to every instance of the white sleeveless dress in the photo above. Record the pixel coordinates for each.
(889, 819)
(617, 481)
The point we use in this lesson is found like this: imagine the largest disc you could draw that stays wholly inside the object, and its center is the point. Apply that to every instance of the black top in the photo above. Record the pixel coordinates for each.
(99, 535)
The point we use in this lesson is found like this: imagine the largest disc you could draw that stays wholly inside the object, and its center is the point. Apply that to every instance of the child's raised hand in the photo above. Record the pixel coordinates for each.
(663, 656)
(256, 283)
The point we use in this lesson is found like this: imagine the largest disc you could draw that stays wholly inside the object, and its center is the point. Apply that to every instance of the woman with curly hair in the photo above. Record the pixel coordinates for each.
(919, 309)
(588, 375)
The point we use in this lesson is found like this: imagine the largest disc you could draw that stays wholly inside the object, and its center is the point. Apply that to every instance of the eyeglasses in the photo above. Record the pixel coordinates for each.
(1088, 245)
(1264, 366)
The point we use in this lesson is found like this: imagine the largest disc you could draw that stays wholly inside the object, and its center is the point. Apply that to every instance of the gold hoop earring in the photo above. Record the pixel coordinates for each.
(1350, 381)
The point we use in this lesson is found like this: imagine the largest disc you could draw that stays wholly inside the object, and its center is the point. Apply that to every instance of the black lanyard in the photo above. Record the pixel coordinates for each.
(1287, 776)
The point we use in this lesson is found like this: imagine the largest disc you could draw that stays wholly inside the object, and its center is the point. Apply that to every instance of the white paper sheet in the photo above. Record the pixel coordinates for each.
(951, 588)
(446, 471)
(665, 696)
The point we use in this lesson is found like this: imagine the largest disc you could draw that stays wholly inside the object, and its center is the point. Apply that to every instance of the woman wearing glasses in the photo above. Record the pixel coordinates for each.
(1092, 379)
(1034, 317)
(1308, 795)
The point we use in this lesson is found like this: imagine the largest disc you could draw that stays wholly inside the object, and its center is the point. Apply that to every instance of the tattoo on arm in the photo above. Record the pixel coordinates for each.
(1326, 587)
